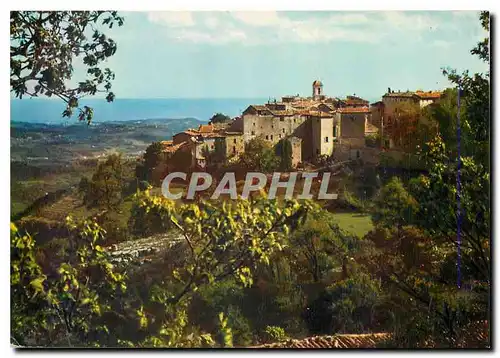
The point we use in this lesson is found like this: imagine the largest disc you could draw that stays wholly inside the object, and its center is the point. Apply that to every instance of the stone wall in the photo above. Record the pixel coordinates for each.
(234, 145)
(352, 125)
(322, 135)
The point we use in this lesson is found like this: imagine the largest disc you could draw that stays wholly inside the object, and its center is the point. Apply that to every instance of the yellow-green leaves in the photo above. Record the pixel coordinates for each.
(225, 331)
(143, 321)
(227, 239)
(37, 284)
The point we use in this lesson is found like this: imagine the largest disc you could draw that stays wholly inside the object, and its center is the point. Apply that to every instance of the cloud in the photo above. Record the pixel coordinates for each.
(260, 18)
(172, 18)
(270, 27)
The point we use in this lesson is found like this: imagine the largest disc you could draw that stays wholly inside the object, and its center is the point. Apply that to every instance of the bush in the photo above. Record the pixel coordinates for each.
(275, 334)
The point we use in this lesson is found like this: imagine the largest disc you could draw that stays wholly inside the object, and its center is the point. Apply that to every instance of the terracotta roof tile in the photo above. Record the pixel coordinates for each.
(428, 95)
(370, 340)
(399, 94)
(354, 110)
(171, 148)
(315, 113)
(286, 112)
(330, 106)
(351, 101)
(206, 128)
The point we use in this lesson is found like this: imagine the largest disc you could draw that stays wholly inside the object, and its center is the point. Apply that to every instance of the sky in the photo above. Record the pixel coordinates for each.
(270, 54)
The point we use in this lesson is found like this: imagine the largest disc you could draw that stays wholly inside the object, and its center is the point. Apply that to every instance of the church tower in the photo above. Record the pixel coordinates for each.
(317, 90)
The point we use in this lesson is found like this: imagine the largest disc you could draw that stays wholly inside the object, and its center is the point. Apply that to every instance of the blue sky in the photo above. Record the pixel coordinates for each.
(269, 54)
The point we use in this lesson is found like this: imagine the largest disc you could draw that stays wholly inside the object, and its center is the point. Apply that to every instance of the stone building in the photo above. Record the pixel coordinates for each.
(322, 124)
(317, 121)
(385, 113)
(270, 123)
(296, 150)
(206, 142)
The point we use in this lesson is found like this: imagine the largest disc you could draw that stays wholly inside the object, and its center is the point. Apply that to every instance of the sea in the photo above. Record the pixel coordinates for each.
(49, 111)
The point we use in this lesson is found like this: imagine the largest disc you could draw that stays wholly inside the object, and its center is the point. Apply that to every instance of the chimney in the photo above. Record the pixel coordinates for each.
(388, 89)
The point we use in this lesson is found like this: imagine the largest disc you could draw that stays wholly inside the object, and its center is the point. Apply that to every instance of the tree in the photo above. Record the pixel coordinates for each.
(220, 118)
(393, 206)
(444, 279)
(284, 152)
(259, 156)
(153, 156)
(227, 240)
(444, 113)
(62, 304)
(349, 306)
(43, 46)
(319, 246)
(107, 183)
(459, 177)
(406, 119)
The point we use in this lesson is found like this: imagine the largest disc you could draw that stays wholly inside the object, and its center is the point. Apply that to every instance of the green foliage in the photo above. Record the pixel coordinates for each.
(320, 246)
(169, 326)
(43, 45)
(227, 240)
(438, 198)
(275, 334)
(26, 283)
(259, 156)
(226, 335)
(216, 156)
(353, 303)
(146, 222)
(373, 140)
(152, 158)
(224, 296)
(284, 152)
(347, 306)
(107, 183)
(220, 118)
(276, 297)
(70, 298)
(394, 206)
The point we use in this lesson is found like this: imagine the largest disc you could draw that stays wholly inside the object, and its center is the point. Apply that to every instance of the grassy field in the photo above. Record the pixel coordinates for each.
(355, 223)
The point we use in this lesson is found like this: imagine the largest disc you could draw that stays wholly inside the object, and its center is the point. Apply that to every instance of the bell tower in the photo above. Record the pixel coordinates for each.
(317, 88)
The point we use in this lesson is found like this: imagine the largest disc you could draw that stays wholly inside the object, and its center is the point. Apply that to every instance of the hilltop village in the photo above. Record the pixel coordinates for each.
(316, 126)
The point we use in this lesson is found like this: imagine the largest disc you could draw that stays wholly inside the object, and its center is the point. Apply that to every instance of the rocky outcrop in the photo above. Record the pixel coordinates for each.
(140, 251)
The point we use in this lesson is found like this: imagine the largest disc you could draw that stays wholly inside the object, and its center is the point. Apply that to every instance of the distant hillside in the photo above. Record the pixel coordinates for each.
(59, 143)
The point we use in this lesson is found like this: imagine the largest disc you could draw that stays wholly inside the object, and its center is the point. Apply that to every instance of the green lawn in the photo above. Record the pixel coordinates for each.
(355, 223)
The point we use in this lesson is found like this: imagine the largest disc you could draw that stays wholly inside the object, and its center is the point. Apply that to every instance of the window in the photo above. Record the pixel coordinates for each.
(272, 126)
(253, 124)
(317, 151)
(234, 140)
(357, 154)
(282, 119)
(326, 139)
(234, 149)
(212, 146)
(267, 137)
(334, 131)
(271, 137)
(253, 132)
(279, 135)
(283, 130)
